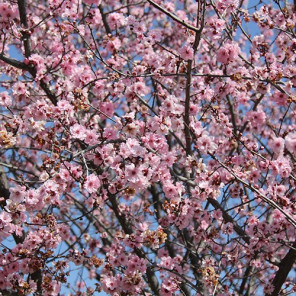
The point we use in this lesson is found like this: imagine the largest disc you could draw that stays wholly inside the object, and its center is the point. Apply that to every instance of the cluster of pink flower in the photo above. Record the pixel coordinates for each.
(147, 147)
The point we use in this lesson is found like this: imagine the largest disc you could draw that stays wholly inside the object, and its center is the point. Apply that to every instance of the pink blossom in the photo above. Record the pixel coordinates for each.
(290, 142)
(155, 35)
(167, 262)
(281, 166)
(109, 133)
(277, 145)
(139, 28)
(186, 52)
(256, 118)
(125, 153)
(228, 53)
(91, 137)
(39, 63)
(31, 197)
(205, 143)
(17, 193)
(132, 173)
(227, 5)
(113, 44)
(8, 11)
(215, 27)
(107, 108)
(5, 99)
(78, 131)
(140, 88)
(94, 2)
(115, 20)
(92, 183)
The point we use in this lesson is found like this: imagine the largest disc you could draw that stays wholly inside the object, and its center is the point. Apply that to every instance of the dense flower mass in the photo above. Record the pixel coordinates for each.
(147, 147)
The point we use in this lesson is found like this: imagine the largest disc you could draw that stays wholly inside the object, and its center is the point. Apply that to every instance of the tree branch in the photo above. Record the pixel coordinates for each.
(172, 16)
(104, 19)
(265, 198)
(189, 78)
(12, 62)
(282, 273)
(20, 65)
(229, 219)
(26, 34)
(152, 279)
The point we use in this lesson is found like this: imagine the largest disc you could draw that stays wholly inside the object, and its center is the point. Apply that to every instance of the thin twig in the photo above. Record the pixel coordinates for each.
(174, 17)
(265, 198)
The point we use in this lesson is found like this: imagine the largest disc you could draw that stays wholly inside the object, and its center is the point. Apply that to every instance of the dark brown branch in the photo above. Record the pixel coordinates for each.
(13, 62)
(28, 50)
(20, 65)
(187, 109)
(26, 34)
(244, 280)
(233, 121)
(106, 25)
(48, 92)
(284, 268)
(9, 293)
(195, 261)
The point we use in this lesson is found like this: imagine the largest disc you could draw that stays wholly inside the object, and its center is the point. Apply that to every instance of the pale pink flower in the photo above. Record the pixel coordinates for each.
(140, 88)
(78, 131)
(90, 2)
(132, 173)
(281, 166)
(113, 44)
(92, 183)
(290, 141)
(277, 145)
(115, 20)
(139, 28)
(155, 35)
(5, 217)
(228, 53)
(215, 27)
(107, 108)
(91, 137)
(32, 197)
(17, 193)
(186, 52)
(167, 262)
(256, 118)
(109, 133)
(5, 99)
(227, 5)
(7, 11)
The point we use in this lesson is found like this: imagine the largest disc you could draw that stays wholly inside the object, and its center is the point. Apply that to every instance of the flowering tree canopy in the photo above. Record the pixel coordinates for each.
(147, 147)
